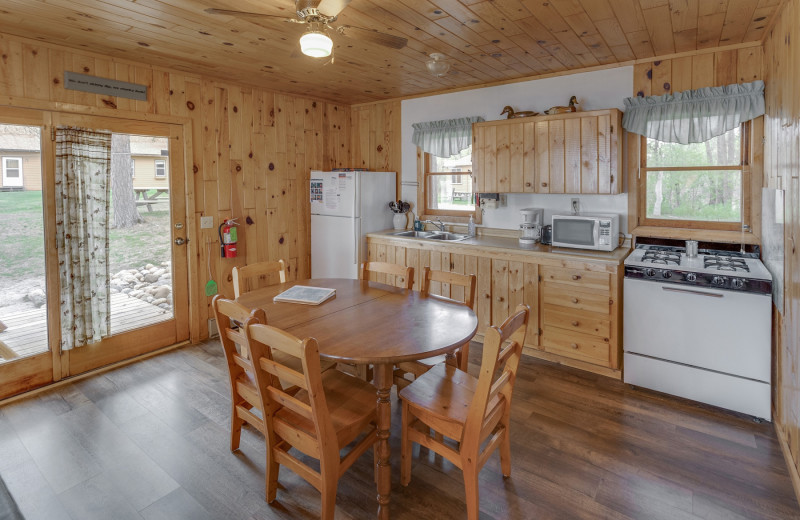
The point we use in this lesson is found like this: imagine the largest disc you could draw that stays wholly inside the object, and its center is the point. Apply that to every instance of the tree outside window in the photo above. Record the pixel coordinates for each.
(696, 185)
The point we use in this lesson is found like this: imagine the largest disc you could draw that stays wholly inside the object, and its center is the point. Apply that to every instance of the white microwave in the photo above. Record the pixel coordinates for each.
(584, 231)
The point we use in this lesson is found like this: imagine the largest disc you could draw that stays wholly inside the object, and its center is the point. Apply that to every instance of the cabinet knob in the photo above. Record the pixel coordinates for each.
(544, 185)
(527, 184)
(575, 323)
(574, 300)
(574, 345)
(500, 299)
(576, 277)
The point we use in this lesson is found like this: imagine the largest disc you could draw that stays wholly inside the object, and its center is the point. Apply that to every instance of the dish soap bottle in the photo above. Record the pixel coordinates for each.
(471, 227)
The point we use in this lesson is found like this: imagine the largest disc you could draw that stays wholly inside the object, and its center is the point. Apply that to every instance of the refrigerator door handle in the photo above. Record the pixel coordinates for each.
(357, 241)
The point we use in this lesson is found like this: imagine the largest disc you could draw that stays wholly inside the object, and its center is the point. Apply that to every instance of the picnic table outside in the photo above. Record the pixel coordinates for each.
(144, 198)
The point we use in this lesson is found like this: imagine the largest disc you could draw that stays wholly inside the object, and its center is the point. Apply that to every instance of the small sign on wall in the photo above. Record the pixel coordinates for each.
(104, 86)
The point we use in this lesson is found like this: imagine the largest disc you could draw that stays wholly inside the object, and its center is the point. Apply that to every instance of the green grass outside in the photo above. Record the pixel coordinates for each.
(22, 238)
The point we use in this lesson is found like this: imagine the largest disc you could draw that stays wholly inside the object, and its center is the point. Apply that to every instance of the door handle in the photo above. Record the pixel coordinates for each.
(180, 241)
(699, 293)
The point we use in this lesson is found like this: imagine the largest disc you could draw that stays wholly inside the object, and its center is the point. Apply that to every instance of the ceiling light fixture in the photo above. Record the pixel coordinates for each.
(315, 42)
(437, 65)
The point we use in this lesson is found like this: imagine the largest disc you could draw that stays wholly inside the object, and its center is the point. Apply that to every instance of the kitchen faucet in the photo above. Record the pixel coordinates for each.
(438, 223)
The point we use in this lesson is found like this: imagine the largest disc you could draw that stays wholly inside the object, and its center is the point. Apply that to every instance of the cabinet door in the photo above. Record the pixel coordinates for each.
(542, 157)
(516, 153)
(490, 159)
(528, 157)
(478, 158)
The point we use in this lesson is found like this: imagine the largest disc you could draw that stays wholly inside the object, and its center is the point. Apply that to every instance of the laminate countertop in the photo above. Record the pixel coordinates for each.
(499, 244)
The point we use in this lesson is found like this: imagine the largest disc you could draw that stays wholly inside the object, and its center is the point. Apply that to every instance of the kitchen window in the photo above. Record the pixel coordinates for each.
(697, 185)
(447, 185)
(161, 169)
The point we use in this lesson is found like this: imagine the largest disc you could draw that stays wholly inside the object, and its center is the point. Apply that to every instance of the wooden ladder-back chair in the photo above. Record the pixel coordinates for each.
(467, 410)
(467, 283)
(320, 414)
(396, 275)
(244, 393)
(245, 279)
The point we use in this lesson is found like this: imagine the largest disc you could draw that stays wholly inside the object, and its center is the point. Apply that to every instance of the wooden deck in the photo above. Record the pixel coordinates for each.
(26, 334)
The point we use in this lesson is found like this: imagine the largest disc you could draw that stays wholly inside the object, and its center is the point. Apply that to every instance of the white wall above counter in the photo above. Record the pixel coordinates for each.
(594, 90)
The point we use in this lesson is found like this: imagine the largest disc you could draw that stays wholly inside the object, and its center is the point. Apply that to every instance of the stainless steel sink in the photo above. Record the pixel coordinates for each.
(447, 236)
(414, 234)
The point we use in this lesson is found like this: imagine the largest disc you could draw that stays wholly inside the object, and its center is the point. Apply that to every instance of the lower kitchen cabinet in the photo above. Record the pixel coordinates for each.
(575, 307)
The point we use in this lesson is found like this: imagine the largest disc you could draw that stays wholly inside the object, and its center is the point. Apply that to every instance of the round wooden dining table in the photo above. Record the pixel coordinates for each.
(371, 323)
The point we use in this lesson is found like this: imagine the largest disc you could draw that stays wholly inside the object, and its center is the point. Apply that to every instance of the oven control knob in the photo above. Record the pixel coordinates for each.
(650, 272)
(691, 277)
(718, 280)
(737, 283)
(666, 274)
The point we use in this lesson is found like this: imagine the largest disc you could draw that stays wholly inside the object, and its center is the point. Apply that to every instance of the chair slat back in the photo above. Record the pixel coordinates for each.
(246, 278)
(227, 312)
(489, 383)
(465, 285)
(263, 339)
(390, 274)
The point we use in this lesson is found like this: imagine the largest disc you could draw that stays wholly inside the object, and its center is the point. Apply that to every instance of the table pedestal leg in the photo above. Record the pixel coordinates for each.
(383, 383)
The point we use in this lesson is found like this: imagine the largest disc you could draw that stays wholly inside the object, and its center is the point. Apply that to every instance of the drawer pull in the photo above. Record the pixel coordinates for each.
(575, 323)
(574, 345)
(576, 277)
(574, 300)
(544, 185)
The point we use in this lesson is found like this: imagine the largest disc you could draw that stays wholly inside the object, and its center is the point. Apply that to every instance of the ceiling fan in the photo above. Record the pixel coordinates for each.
(317, 15)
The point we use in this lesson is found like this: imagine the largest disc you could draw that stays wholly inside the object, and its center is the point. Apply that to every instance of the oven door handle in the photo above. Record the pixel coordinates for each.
(690, 291)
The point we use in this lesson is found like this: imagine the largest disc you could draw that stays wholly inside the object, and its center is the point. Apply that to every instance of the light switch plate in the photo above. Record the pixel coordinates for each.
(206, 222)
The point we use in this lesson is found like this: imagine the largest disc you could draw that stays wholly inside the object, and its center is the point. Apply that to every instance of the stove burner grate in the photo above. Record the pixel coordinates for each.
(661, 257)
(725, 263)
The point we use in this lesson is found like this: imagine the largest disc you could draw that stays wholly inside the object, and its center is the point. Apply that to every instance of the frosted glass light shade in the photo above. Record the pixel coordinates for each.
(316, 44)
(437, 65)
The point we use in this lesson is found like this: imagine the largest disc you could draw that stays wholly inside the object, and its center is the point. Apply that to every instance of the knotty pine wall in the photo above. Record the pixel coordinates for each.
(782, 167)
(376, 137)
(252, 150)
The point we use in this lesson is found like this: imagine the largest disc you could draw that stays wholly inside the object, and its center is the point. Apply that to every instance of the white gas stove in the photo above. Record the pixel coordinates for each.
(699, 327)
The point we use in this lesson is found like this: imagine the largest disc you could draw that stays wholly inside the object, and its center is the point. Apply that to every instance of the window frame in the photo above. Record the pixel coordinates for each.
(7, 158)
(155, 166)
(424, 212)
(744, 167)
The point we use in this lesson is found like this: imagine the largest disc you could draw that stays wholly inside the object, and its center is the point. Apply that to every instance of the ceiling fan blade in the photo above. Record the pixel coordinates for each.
(231, 12)
(372, 36)
(332, 7)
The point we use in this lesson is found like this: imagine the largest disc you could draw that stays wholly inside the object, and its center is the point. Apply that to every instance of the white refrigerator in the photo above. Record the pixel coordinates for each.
(345, 206)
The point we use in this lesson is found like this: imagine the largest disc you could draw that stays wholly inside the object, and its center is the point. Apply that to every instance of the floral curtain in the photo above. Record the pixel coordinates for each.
(444, 138)
(694, 116)
(83, 173)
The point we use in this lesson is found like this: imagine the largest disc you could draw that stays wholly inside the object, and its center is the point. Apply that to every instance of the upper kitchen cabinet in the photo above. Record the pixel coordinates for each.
(578, 152)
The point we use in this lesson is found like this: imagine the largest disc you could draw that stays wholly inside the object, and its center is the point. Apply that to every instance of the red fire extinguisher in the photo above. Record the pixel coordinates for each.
(228, 238)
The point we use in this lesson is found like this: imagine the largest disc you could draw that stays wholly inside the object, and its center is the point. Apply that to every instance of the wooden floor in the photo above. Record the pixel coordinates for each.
(150, 440)
(26, 334)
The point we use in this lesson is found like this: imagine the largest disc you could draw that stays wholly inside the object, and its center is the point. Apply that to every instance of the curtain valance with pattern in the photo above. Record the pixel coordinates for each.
(446, 137)
(694, 116)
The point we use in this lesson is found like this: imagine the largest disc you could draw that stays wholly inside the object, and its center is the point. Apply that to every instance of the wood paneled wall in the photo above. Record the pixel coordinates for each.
(252, 150)
(782, 167)
(376, 137)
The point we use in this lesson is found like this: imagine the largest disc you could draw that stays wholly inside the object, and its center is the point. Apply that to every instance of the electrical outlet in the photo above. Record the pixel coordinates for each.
(206, 222)
(576, 205)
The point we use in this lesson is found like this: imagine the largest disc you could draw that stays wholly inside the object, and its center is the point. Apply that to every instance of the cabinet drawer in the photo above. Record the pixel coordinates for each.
(586, 280)
(585, 347)
(566, 296)
(579, 321)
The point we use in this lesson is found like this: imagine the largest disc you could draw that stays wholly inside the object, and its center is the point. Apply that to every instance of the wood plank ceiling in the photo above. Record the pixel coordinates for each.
(485, 40)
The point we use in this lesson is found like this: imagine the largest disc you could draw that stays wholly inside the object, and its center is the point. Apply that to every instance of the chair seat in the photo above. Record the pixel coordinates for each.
(441, 398)
(351, 403)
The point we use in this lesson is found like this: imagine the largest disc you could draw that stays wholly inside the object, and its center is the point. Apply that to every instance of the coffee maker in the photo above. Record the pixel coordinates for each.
(530, 230)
